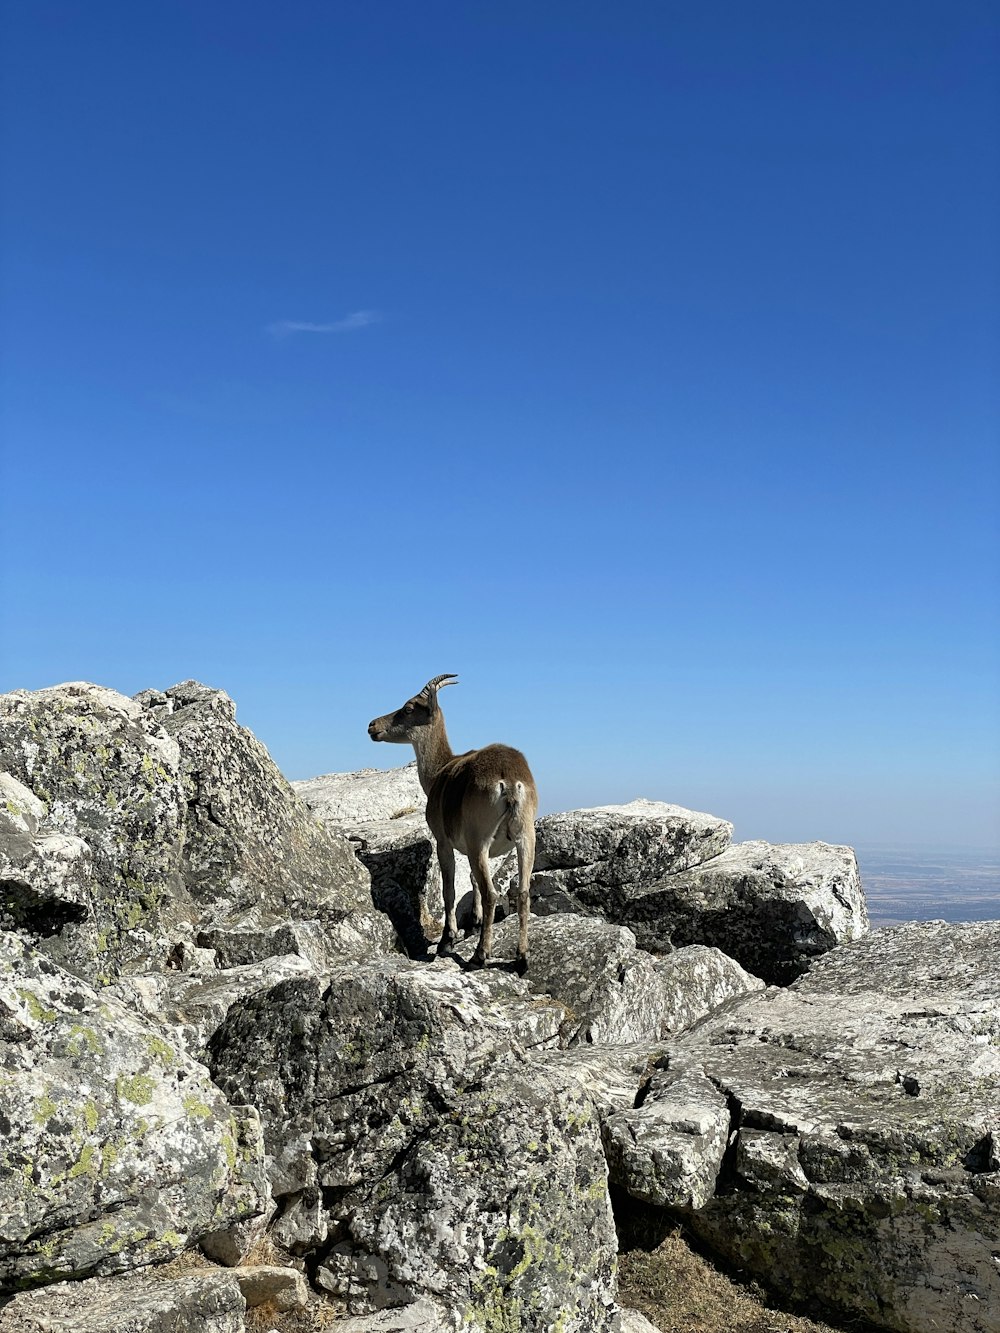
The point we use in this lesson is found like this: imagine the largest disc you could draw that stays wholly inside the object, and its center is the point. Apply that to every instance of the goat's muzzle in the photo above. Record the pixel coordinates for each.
(374, 730)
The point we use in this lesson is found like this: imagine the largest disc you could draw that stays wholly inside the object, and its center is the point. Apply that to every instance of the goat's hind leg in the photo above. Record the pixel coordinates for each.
(479, 864)
(446, 860)
(525, 864)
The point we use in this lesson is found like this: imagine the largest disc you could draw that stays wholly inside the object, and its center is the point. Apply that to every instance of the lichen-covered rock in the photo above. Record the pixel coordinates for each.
(252, 851)
(616, 993)
(399, 1095)
(209, 1302)
(423, 1316)
(109, 775)
(361, 934)
(44, 877)
(595, 860)
(865, 1168)
(117, 1150)
(774, 908)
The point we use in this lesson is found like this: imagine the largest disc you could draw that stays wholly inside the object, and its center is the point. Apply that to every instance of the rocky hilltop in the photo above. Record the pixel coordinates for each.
(223, 1032)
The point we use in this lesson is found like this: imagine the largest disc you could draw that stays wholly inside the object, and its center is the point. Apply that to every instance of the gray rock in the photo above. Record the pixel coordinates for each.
(117, 1149)
(612, 1077)
(772, 908)
(669, 1149)
(44, 878)
(209, 1302)
(865, 1168)
(252, 851)
(617, 994)
(188, 1007)
(595, 860)
(271, 1284)
(448, 1167)
(107, 774)
(367, 796)
(423, 1316)
(634, 1322)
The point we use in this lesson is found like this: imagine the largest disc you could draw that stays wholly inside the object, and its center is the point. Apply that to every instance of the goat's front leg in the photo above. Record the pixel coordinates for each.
(446, 860)
(480, 867)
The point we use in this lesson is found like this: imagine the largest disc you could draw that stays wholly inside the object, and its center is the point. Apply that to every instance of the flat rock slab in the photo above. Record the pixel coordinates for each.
(774, 908)
(371, 794)
(117, 1150)
(864, 1157)
(208, 1302)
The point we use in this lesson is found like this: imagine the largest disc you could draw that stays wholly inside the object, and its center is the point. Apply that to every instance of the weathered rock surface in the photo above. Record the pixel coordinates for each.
(773, 908)
(596, 860)
(371, 795)
(423, 1316)
(44, 877)
(446, 1167)
(272, 1284)
(616, 993)
(252, 851)
(865, 1167)
(117, 1150)
(209, 1302)
(188, 1007)
(106, 773)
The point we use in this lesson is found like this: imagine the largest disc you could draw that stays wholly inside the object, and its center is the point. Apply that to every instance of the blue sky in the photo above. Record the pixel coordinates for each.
(636, 362)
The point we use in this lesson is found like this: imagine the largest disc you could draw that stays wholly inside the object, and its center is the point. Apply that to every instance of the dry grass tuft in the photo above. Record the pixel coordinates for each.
(680, 1292)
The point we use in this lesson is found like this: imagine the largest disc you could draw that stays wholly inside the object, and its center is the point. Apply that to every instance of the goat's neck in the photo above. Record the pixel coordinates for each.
(433, 752)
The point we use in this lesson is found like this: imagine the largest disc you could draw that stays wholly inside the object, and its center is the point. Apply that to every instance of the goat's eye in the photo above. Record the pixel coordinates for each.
(408, 708)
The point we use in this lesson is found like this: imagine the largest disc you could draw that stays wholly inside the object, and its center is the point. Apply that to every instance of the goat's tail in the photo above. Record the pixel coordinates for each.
(512, 794)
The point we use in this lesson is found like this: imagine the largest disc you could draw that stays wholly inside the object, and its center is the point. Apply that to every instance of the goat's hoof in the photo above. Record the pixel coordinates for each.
(521, 964)
(477, 960)
(445, 949)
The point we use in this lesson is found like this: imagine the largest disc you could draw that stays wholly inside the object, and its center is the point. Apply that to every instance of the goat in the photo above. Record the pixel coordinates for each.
(482, 803)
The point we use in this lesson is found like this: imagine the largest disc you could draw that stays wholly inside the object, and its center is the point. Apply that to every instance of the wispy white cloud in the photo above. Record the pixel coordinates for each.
(358, 319)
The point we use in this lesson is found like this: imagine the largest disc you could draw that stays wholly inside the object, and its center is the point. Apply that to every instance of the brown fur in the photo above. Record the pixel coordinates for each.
(482, 803)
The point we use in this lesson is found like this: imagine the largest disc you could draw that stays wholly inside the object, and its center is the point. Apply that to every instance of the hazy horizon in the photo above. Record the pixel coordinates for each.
(637, 364)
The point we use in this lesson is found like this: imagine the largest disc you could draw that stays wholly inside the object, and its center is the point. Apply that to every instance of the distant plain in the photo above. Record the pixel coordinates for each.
(913, 884)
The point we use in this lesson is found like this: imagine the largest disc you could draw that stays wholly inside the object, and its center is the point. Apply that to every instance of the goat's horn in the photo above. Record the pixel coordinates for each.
(438, 683)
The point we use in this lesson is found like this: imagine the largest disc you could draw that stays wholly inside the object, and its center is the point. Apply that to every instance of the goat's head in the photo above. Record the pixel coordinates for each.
(421, 711)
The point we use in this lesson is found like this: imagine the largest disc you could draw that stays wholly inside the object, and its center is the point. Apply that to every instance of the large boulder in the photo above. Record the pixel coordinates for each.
(595, 860)
(861, 1162)
(407, 1131)
(105, 773)
(117, 1150)
(252, 851)
(774, 908)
